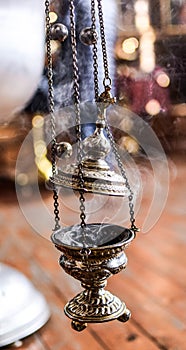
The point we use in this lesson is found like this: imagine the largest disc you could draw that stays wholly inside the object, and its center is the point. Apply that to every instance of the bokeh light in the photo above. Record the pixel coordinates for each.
(53, 17)
(130, 45)
(163, 80)
(153, 107)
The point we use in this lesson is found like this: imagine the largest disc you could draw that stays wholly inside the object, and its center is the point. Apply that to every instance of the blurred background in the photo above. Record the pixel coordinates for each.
(147, 55)
(148, 64)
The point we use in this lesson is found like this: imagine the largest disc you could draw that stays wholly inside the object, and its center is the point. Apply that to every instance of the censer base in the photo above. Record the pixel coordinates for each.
(92, 255)
(95, 307)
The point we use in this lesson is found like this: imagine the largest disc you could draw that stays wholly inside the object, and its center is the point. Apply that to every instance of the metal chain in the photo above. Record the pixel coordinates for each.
(108, 81)
(77, 111)
(123, 173)
(95, 51)
(49, 69)
(51, 110)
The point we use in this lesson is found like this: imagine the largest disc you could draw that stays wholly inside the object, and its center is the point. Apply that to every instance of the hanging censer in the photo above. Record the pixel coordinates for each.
(90, 252)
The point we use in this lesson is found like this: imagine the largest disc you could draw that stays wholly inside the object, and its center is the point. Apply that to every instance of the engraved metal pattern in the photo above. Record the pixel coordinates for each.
(107, 99)
(97, 176)
(94, 304)
(90, 257)
(104, 306)
(95, 180)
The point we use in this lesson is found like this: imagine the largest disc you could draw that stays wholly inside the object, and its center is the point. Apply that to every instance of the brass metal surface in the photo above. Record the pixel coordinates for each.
(97, 181)
(92, 259)
(98, 177)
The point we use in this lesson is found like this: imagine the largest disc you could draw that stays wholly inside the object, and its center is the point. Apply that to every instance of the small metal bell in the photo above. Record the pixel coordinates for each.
(88, 36)
(59, 32)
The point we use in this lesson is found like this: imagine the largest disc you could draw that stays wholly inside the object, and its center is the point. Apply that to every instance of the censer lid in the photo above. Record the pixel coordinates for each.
(96, 236)
(101, 181)
(96, 174)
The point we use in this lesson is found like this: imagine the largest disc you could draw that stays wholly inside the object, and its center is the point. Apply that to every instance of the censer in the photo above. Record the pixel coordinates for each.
(91, 252)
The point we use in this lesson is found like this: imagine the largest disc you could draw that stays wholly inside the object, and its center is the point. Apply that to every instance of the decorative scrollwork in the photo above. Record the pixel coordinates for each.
(107, 257)
(95, 305)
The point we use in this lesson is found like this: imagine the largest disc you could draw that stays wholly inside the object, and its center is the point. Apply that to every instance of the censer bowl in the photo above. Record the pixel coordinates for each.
(91, 255)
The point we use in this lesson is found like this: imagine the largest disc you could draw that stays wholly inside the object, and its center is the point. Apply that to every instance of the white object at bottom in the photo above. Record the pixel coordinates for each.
(23, 310)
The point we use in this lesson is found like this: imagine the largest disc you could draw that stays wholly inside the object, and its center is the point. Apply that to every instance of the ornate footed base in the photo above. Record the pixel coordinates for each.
(95, 307)
(92, 265)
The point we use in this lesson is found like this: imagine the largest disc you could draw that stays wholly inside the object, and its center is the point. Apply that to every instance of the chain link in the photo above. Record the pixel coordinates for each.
(95, 51)
(77, 111)
(107, 78)
(50, 69)
(51, 109)
(123, 173)
(108, 82)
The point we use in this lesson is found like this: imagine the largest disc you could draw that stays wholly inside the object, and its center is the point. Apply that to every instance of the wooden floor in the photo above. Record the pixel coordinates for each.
(153, 284)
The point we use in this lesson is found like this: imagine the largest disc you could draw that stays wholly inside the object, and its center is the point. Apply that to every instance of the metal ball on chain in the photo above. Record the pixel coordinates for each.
(88, 36)
(92, 252)
(63, 150)
(59, 32)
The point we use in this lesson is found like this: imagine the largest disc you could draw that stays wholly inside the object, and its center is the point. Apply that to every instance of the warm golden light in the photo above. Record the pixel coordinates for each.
(147, 62)
(141, 6)
(53, 17)
(153, 107)
(55, 45)
(130, 45)
(142, 23)
(147, 54)
(38, 121)
(44, 166)
(142, 20)
(130, 144)
(148, 38)
(40, 150)
(163, 80)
